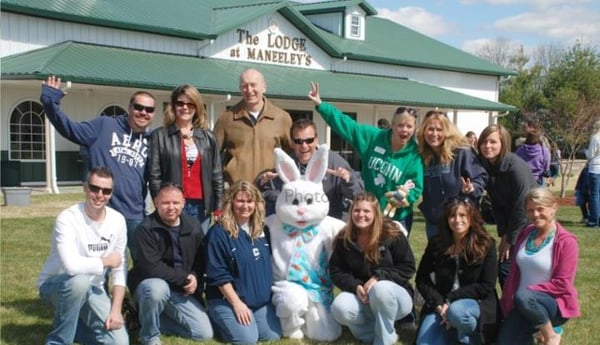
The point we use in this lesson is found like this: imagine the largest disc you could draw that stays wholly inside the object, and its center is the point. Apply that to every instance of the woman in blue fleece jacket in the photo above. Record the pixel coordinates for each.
(238, 270)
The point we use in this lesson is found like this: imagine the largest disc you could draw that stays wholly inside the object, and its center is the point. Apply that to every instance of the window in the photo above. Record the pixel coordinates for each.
(113, 110)
(355, 26)
(344, 148)
(27, 136)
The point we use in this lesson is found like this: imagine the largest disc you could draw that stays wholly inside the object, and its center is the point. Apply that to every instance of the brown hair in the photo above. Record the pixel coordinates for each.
(302, 124)
(199, 119)
(476, 242)
(504, 139)
(381, 229)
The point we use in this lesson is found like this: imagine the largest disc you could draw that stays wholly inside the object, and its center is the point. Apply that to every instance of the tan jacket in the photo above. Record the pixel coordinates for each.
(246, 148)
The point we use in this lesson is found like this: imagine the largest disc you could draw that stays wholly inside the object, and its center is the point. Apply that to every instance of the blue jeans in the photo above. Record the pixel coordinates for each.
(430, 229)
(195, 208)
(81, 311)
(132, 224)
(407, 223)
(265, 324)
(594, 219)
(462, 314)
(164, 311)
(531, 310)
(373, 322)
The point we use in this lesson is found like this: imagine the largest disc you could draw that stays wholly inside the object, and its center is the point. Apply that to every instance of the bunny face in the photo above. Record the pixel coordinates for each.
(302, 201)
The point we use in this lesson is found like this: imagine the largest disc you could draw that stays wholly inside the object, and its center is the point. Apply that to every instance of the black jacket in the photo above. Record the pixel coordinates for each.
(477, 281)
(154, 253)
(349, 268)
(165, 163)
(508, 185)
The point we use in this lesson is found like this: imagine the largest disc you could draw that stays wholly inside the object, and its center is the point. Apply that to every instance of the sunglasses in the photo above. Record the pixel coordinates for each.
(181, 104)
(95, 189)
(140, 107)
(304, 141)
(410, 111)
(459, 199)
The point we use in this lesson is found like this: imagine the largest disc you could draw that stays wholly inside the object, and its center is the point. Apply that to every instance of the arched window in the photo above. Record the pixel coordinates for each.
(113, 110)
(27, 135)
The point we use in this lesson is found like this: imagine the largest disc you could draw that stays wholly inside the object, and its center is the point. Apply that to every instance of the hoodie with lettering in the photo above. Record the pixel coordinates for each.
(111, 143)
(382, 169)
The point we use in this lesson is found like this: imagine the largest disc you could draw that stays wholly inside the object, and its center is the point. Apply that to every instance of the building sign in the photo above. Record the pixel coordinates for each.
(273, 48)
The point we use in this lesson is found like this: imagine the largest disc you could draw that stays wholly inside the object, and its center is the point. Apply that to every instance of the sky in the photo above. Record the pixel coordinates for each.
(471, 24)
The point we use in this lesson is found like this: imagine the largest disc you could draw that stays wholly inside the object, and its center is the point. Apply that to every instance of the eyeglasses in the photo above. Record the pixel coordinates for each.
(96, 189)
(435, 112)
(308, 141)
(181, 104)
(140, 107)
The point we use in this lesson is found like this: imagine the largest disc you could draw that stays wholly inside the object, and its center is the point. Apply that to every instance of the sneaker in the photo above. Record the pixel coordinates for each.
(591, 225)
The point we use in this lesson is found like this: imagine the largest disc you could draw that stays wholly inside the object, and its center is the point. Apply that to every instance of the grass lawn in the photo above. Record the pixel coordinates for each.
(25, 240)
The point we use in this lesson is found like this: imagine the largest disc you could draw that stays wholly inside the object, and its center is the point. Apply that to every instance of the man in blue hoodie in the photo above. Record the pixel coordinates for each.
(119, 143)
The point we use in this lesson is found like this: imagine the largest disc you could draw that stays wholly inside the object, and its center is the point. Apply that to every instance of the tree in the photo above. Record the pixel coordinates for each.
(572, 89)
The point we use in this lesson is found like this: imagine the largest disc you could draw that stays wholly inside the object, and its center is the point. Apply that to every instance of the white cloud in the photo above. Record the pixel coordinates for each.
(563, 23)
(418, 19)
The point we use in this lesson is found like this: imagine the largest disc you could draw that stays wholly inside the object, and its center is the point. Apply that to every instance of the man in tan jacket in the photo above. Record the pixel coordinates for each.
(248, 133)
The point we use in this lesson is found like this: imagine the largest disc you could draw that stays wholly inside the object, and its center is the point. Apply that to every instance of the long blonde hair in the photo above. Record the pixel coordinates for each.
(199, 119)
(381, 228)
(452, 139)
(257, 219)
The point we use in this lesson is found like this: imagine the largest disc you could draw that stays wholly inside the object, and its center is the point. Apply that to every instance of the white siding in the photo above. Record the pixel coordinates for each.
(19, 33)
(356, 11)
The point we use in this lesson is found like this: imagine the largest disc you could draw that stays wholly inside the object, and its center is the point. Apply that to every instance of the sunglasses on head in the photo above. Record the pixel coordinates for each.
(181, 104)
(459, 199)
(298, 141)
(95, 189)
(410, 111)
(140, 107)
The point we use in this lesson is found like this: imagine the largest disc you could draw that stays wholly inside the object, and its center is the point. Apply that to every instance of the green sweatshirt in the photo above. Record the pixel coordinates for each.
(382, 169)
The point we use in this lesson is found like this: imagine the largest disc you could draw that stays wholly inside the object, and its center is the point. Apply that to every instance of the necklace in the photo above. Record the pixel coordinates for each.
(188, 135)
(531, 248)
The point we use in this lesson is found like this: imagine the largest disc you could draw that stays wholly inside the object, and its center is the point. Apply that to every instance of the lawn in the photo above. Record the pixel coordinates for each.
(25, 239)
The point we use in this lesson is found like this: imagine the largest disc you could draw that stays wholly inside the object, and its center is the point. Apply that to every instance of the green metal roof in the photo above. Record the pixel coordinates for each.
(336, 5)
(386, 41)
(101, 65)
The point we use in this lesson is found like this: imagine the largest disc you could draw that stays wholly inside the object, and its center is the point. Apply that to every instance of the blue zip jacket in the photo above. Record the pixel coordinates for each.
(244, 263)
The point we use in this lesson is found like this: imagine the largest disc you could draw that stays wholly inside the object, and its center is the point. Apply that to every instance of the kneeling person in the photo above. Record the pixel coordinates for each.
(166, 279)
(88, 239)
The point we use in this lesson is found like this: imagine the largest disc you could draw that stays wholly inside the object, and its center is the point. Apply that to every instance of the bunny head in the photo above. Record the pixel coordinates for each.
(302, 201)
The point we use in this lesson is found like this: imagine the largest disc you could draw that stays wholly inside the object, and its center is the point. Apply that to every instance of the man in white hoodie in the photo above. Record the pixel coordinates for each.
(88, 239)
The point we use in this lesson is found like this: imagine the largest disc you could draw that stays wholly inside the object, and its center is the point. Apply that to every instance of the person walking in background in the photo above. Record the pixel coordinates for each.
(539, 295)
(88, 239)
(452, 167)
(184, 152)
(372, 264)
(118, 143)
(166, 280)
(239, 275)
(390, 157)
(555, 164)
(340, 184)
(457, 278)
(510, 180)
(593, 155)
(536, 155)
(248, 133)
(582, 194)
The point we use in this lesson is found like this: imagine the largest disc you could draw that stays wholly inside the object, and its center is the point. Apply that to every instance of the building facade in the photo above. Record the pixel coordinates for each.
(366, 65)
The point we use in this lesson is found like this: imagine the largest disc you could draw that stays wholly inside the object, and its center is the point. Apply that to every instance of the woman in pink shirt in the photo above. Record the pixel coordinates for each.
(539, 294)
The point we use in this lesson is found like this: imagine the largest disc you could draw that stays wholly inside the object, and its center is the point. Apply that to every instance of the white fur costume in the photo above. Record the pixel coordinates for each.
(301, 241)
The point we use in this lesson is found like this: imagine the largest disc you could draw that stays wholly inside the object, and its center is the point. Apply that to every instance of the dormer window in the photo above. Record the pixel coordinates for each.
(355, 26)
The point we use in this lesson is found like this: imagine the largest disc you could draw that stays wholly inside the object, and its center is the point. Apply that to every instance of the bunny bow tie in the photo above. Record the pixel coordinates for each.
(307, 233)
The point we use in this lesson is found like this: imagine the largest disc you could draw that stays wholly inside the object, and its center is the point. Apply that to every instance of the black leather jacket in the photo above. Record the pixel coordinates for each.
(165, 163)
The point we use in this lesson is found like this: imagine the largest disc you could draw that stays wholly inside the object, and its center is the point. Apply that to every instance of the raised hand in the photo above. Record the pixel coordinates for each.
(54, 83)
(314, 93)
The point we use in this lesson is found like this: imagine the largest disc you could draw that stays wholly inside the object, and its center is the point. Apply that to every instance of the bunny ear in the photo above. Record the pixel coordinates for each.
(317, 165)
(285, 166)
